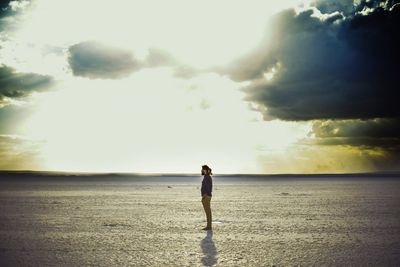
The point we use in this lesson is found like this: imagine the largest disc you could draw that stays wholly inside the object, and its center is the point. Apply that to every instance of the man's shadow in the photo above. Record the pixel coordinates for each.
(209, 250)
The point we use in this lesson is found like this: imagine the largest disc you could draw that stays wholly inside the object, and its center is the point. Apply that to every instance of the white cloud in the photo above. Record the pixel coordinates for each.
(18, 5)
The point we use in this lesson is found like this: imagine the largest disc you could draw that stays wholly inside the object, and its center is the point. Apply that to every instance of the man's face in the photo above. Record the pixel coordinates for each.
(203, 172)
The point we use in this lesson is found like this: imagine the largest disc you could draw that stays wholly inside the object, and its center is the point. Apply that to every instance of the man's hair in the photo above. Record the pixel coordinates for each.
(208, 169)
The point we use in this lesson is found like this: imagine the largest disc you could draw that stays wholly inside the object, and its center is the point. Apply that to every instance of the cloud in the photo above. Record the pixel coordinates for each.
(330, 6)
(12, 116)
(370, 134)
(158, 58)
(378, 128)
(334, 64)
(14, 85)
(325, 66)
(96, 60)
(18, 153)
(305, 158)
(339, 146)
(10, 8)
(9, 13)
(18, 5)
(350, 7)
(377, 141)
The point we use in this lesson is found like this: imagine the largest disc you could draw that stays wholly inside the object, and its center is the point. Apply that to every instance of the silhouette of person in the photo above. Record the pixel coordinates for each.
(206, 189)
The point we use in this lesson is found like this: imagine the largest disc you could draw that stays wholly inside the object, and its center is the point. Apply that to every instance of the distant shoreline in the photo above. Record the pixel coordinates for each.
(32, 174)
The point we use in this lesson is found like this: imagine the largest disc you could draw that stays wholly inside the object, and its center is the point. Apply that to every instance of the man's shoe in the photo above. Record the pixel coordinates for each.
(207, 228)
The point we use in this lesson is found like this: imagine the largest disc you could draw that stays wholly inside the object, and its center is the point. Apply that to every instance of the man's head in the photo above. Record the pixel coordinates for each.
(205, 170)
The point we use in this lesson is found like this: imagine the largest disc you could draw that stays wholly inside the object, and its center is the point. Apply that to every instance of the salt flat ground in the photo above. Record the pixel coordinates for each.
(157, 221)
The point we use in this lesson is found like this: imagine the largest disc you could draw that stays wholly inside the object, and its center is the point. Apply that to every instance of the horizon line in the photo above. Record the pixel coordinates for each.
(94, 173)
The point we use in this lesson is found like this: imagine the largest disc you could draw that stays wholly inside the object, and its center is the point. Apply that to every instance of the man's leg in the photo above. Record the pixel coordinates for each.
(203, 201)
(207, 208)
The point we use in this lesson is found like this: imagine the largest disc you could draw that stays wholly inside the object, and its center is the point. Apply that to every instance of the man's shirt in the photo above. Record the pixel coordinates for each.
(206, 185)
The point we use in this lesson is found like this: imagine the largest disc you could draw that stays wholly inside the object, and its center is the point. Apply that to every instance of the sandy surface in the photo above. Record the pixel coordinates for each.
(282, 222)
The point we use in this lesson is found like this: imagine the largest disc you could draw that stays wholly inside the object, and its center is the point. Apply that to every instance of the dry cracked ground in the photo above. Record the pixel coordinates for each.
(126, 221)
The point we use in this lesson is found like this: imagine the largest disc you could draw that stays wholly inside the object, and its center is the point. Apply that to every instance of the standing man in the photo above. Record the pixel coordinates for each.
(206, 188)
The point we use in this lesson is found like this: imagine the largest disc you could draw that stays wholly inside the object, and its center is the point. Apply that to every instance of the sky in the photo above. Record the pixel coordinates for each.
(167, 86)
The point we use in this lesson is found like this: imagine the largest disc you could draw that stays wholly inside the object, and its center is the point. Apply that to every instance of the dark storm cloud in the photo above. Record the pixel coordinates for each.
(6, 9)
(330, 6)
(335, 64)
(376, 128)
(290, 42)
(349, 7)
(375, 133)
(18, 85)
(375, 140)
(327, 66)
(99, 61)
(9, 11)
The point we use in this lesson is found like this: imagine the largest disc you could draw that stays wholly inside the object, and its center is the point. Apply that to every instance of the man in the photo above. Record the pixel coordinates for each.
(206, 189)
